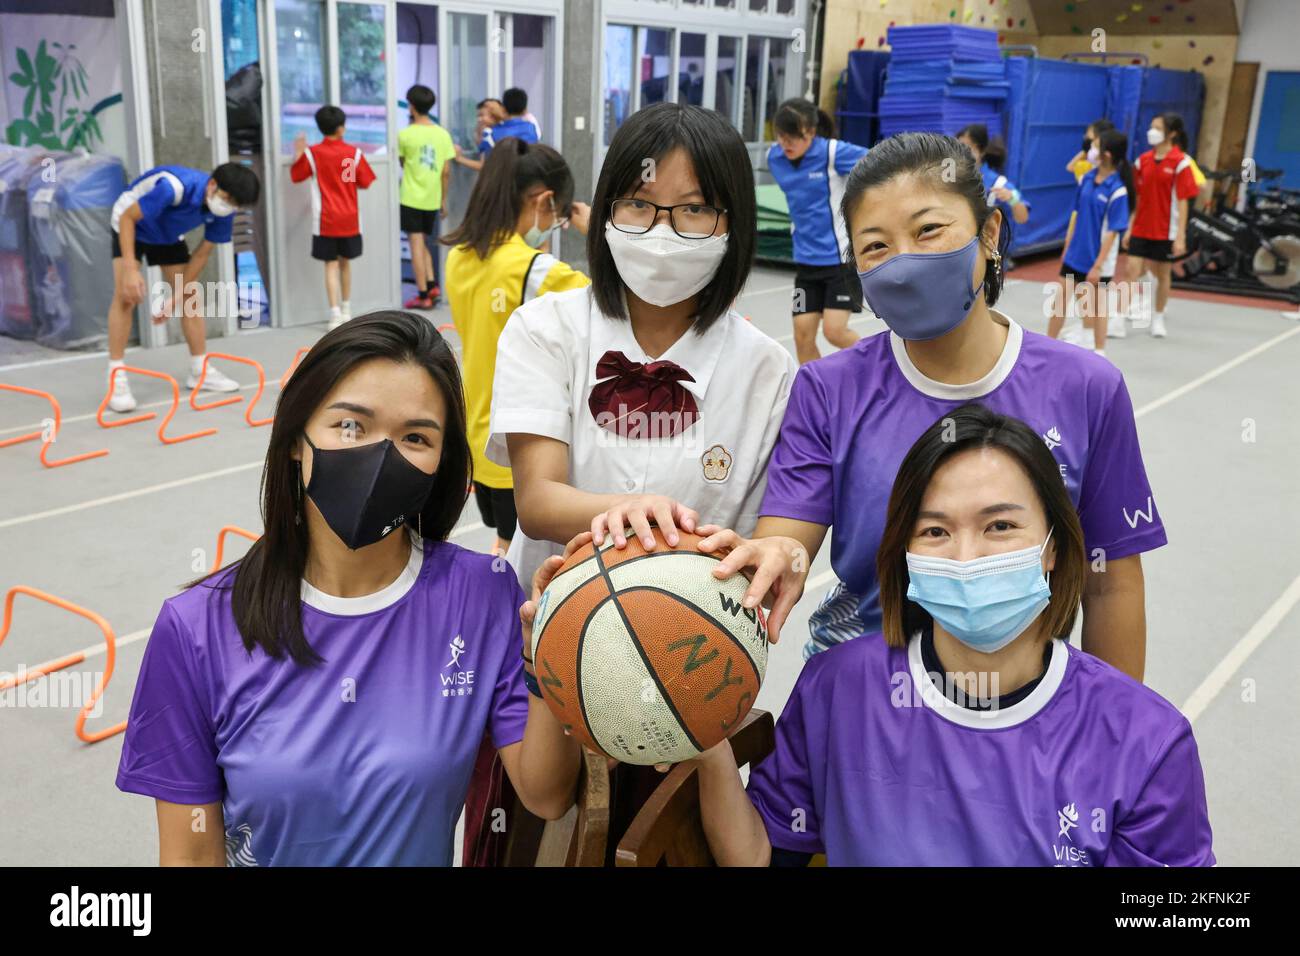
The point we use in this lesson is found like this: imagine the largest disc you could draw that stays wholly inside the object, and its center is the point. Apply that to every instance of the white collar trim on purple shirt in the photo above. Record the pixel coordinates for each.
(976, 389)
(369, 603)
(1017, 713)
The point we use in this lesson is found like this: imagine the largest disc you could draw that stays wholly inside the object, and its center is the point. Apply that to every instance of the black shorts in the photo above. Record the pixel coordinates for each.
(497, 506)
(172, 254)
(1081, 277)
(329, 248)
(817, 288)
(1157, 250)
(419, 220)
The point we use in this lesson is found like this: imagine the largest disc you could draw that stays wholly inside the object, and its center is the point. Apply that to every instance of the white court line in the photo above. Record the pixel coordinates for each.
(90, 415)
(1214, 373)
(135, 493)
(102, 646)
(1235, 658)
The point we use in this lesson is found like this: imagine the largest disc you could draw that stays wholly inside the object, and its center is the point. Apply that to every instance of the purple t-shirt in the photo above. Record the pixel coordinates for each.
(854, 415)
(362, 760)
(874, 766)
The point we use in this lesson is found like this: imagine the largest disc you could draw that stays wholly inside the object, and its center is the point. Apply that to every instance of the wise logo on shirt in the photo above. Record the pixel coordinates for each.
(457, 678)
(1065, 852)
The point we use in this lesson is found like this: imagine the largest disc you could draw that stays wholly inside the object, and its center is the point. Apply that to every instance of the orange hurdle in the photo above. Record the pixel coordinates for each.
(176, 400)
(110, 641)
(46, 443)
(248, 412)
(294, 364)
(221, 542)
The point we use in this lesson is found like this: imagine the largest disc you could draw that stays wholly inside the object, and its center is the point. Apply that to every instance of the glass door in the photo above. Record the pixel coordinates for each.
(305, 71)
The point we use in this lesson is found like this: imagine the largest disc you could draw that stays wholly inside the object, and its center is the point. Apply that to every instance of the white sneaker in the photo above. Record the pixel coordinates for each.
(122, 400)
(1070, 333)
(1115, 327)
(336, 320)
(1158, 327)
(214, 381)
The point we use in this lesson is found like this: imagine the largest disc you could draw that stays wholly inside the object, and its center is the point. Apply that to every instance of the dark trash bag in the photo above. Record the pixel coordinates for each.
(244, 109)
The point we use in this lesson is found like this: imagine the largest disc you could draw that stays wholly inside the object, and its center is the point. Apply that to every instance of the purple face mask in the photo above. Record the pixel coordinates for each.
(922, 295)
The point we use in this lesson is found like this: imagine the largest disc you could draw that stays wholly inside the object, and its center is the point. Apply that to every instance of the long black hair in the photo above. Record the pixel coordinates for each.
(510, 171)
(266, 583)
(1116, 143)
(722, 165)
(975, 426)
(947, 164)
(798, 116)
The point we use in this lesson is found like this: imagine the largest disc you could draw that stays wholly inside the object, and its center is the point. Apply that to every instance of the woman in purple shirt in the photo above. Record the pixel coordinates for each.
(321, 702)
(929, 251)
(972, 733)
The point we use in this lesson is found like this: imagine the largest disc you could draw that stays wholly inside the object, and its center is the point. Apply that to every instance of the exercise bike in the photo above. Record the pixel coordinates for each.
(1252, 252)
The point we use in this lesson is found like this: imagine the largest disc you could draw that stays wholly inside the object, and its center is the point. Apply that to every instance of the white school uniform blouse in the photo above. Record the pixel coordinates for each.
(546, 369)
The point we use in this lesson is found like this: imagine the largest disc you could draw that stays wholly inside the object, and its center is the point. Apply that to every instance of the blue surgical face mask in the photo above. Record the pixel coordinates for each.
(923, 295)
(537, 237)
(986, 603)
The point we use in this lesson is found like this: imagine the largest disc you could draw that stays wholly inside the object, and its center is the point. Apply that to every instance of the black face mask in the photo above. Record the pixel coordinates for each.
(366, 492)
(1087, 145)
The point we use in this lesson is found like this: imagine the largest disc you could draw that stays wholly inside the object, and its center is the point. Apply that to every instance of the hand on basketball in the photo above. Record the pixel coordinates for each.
(541, 580)
(638, 511)
(780, 567)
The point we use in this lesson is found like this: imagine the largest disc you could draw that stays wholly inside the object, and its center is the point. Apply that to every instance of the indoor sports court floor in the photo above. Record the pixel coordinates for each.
(119, 534)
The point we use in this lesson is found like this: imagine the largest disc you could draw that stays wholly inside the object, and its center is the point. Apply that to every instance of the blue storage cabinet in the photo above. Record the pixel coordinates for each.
(857, 114)
(1137, 94)
(1050, 105)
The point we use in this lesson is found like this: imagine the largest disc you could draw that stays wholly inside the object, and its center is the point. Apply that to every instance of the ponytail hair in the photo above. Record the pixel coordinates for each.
(510, 171)
(799, 117)
(1116, 143)
(1175, 129)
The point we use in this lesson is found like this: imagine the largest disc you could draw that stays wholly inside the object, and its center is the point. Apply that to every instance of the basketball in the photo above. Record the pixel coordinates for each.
(644, 655)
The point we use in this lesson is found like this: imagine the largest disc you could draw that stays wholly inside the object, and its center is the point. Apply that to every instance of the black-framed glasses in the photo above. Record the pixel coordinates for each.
(690, 220)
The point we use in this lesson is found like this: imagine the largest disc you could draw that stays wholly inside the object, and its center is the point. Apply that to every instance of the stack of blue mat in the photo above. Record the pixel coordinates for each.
(942, 78)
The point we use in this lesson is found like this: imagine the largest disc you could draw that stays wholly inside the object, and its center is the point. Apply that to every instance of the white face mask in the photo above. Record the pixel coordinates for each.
(662, 268)
(1154, 136)
(1093, 155)
(218, 206)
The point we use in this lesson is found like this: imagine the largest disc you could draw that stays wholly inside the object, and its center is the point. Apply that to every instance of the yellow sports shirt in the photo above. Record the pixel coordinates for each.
(482, 294)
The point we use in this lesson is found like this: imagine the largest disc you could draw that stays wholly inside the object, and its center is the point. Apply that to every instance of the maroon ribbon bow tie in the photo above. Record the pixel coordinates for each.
(642, 400)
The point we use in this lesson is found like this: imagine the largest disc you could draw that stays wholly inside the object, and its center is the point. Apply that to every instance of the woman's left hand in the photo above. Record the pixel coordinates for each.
(1002, 194)
(541, 580)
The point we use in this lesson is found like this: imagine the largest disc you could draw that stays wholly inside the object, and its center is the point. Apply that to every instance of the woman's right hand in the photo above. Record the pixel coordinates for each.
(779, 567)
(580, 216)
(638, 511)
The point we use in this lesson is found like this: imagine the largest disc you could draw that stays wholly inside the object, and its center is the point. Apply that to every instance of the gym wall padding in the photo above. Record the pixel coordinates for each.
(1139, 93)
(1051, 103)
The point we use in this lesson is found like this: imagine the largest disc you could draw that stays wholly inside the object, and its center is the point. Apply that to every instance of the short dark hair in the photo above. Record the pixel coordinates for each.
(934, 156)
(798, 117)
(974, 426)
(490, 99)
(726, 176)
(515, 101)
(238, 182)
(421, 98)
(329, 119)
(994, 150)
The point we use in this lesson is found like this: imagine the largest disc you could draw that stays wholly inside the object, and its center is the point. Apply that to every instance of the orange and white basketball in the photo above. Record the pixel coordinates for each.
(644, 655)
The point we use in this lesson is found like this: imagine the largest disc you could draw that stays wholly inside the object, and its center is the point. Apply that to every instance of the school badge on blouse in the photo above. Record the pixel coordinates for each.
(717, 463)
